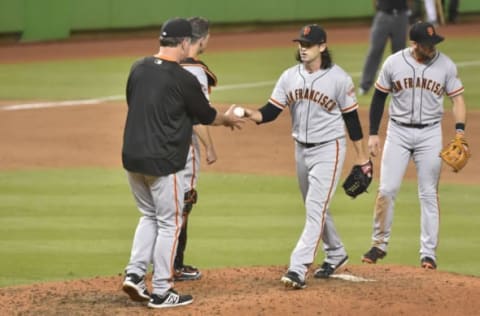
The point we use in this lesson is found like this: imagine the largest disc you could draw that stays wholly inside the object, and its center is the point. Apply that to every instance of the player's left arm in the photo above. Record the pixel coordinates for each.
(459, 113)
(454, 90)
(361, 174)
(203, 134)
(354, 129)
(349, 110)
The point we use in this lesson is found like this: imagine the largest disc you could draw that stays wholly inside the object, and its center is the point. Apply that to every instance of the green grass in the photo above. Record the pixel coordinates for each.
(60, 224)
(93, 78)
(63, 224)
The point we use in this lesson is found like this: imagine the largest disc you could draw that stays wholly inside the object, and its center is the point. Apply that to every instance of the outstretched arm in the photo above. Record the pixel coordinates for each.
(267, 113)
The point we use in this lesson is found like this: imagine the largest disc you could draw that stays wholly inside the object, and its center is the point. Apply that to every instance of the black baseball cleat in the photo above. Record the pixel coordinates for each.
(135, 287)
(187, 273)
(170, 299)
(292, 280)
(373, 255)
(327, 269)
(428, 263)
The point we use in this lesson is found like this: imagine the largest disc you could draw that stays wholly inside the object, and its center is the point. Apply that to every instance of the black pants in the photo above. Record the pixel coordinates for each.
(452, 10)
(182, 245)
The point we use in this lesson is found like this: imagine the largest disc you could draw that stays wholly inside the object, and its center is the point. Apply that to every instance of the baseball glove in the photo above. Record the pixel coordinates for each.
(456, 153)
(359, 179)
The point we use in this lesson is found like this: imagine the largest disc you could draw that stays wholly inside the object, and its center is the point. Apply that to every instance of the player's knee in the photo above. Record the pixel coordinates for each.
(387, 194)
(427, 196)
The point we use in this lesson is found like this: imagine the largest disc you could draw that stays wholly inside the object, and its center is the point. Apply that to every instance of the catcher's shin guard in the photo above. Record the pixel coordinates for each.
(189, 199)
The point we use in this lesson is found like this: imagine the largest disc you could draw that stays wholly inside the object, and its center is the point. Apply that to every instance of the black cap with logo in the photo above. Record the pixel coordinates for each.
(424, 33)
(313, 34)
(176, 27)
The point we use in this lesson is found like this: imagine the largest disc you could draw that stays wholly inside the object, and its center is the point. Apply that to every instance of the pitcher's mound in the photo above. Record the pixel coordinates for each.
(357, 290)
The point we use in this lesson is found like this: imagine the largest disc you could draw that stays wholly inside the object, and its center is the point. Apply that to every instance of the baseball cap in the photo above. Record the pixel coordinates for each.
(313, 34)
(424, 33)
(176, 27)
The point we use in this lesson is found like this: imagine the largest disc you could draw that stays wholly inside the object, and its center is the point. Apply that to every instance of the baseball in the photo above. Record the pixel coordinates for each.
(239, 111)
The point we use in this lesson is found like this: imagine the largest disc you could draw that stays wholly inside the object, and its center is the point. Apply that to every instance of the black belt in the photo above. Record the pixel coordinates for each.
(413, 125)
(393, 11)
(310, 145)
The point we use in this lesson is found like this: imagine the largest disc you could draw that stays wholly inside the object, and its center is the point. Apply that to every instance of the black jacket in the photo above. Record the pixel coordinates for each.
(163, 100)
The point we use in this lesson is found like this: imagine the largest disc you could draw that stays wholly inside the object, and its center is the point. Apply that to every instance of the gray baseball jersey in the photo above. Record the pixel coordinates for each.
(418, 89)
(316, 102)
(414, 132)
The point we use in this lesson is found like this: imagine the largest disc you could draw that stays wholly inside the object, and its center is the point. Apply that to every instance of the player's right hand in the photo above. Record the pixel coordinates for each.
(374, 145)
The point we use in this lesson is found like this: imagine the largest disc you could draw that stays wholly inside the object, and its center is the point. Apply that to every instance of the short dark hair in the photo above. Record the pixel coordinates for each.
(327, 61)
(171, 41)
(200, 27)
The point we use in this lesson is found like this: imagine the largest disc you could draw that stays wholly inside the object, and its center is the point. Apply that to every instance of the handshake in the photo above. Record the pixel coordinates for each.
(239, 113)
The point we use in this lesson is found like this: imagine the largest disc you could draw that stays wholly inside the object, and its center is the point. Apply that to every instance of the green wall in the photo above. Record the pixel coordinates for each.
(56, 19)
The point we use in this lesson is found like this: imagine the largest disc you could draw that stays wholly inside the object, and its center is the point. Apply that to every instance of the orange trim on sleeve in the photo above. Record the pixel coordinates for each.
(454, 93)
(383, 89)
(277, 104)
(350, 108)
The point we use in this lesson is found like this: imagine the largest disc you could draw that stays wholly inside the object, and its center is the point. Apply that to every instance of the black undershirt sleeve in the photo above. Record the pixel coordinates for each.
(376, 110)
(354, 127)
(269, 112)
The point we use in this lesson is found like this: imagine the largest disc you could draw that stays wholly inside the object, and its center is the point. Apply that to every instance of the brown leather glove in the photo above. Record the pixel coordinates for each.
(456, 153)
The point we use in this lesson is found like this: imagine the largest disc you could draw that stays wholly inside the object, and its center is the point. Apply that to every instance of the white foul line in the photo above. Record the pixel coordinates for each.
(41, 105)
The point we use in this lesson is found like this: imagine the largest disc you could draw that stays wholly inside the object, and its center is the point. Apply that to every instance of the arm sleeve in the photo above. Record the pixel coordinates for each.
(354, 127)
(376, 110)
(269, 112)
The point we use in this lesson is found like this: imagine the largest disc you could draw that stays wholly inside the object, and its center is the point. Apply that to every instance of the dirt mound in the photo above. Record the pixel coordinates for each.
(378, 290)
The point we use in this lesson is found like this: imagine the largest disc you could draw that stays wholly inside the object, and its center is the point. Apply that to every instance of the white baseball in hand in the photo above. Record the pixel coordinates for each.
(239, 111)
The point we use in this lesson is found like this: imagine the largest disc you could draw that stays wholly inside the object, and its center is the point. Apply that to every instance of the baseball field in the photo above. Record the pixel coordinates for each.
(67, 217)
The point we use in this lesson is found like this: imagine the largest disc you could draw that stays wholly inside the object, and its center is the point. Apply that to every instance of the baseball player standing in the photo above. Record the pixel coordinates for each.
(207, 79)
(417, 78)
(321, 98)
(163, 101)
(390, 21)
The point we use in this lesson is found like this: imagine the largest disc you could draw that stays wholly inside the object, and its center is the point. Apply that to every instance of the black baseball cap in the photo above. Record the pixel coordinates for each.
(176, 27)
(424, 33)
(313, 34)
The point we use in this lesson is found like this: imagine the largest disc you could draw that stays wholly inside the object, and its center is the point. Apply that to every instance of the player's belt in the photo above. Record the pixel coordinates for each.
(310, 145)
(414, 125)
